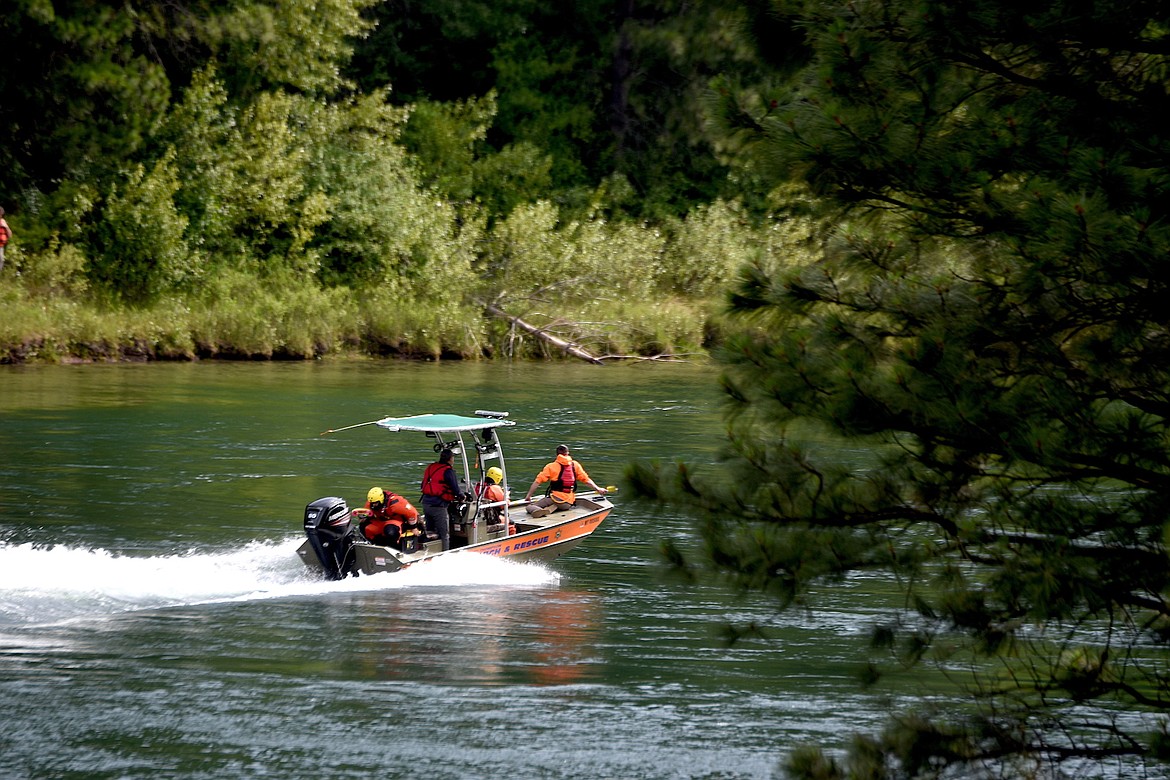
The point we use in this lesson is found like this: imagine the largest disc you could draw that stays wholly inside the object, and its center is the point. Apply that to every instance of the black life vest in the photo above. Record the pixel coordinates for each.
(435, 484)
(566, 482)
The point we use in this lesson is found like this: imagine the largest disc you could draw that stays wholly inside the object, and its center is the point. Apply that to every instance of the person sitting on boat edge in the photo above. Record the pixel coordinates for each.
(563, 473)
(387, 516)
(440, 489)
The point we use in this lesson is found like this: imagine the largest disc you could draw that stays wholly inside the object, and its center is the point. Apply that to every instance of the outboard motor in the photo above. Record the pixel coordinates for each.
(330, 535)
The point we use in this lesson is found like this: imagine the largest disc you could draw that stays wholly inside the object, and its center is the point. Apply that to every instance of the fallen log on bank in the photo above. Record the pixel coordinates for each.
(663, 357)
(543, 335)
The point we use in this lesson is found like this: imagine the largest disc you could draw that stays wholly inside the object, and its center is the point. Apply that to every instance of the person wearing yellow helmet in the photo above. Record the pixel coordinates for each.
(492, 493)
(386, 516)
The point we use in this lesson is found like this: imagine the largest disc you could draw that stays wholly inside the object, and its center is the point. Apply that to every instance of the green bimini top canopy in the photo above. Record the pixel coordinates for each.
(445, 423)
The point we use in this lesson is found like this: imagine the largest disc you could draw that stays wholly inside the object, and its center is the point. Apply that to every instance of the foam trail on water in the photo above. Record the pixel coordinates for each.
(41, 585)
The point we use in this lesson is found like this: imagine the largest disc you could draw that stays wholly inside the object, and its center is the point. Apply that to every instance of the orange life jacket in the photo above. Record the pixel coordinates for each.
(397, 512)
(491, 493)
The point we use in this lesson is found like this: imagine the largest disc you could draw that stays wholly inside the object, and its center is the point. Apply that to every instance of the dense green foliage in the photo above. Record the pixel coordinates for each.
(987, 319)
(403, 163)
(602, 88)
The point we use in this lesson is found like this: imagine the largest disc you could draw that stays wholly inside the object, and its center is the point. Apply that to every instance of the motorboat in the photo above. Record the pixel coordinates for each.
(335, 547)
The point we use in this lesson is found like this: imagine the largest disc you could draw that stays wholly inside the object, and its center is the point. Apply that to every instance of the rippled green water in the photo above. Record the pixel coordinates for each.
(156, 622)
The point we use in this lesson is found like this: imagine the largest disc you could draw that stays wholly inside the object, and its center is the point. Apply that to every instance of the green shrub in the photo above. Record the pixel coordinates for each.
(244, 172)
(447, 143)
(384, 231)
(707, 248)
(141, 232)
(532, 255)
(57, 271)
(442, 139)
(669, 326)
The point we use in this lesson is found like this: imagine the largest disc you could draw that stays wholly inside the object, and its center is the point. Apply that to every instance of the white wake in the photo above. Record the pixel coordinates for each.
(50, 584)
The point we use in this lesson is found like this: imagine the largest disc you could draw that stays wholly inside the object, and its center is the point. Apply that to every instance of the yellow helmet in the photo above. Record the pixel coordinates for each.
(495, 475)
(376, 496)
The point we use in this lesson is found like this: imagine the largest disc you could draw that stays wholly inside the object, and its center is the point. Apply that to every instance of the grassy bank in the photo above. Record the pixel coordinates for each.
(246, 319)
(612, 287)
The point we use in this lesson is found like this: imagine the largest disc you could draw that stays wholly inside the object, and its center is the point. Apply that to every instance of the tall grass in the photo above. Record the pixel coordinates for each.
(249, 320)
(241, 316)
(612, 288)
(58, 329)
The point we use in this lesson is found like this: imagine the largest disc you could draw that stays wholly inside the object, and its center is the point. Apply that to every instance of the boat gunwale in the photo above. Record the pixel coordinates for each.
(576, 515)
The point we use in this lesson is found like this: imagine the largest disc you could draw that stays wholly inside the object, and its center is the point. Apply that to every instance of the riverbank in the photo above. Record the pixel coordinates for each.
(307, 323)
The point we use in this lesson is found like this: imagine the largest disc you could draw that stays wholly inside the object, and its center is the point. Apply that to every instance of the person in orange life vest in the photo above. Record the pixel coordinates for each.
(440, 489)
(5, 234)
(564, 473)
(388, 515)
(490, 492)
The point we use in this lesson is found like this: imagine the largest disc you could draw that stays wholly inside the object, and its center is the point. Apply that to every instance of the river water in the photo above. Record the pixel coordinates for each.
(155, 620)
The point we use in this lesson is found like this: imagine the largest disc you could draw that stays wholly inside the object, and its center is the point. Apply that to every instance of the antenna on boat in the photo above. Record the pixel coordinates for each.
(348, 427)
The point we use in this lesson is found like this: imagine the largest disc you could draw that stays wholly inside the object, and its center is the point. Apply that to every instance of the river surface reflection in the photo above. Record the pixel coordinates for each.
(155, 620)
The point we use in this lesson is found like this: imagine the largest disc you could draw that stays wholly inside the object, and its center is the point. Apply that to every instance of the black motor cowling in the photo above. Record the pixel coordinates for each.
(330, 535)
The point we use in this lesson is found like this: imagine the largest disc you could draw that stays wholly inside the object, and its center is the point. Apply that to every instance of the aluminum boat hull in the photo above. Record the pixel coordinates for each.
(535, 539)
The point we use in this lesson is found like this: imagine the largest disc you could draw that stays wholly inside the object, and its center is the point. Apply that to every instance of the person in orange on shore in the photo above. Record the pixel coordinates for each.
(387, 515)
(5, 234)
(563, 473)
